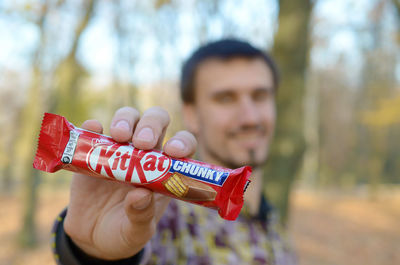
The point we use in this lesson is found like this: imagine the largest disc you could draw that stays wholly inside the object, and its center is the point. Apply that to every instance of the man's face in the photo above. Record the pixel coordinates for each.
(234, 114)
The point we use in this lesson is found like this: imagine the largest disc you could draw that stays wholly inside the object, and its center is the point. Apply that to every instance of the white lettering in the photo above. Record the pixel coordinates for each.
(210, 174)
(194, 169)
(202, 172)
(178, 165)
(219, 175)
(185, 167)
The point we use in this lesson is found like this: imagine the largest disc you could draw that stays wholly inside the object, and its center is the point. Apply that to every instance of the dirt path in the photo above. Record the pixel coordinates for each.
(328, 229)
(333, 229)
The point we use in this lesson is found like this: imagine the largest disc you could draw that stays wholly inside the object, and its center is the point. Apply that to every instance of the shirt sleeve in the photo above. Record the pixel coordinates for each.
(67, 253)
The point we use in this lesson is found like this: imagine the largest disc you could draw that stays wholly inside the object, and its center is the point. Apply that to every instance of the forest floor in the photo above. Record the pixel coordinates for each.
(327, 228)
(332, 228)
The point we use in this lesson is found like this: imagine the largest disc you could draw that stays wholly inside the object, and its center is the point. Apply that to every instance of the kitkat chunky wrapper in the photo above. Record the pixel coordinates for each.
(64, 146)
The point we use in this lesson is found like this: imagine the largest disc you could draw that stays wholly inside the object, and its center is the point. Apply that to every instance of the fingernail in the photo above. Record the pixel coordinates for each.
(142, 203)
(146, 135)
(122, 124)
(178, 144)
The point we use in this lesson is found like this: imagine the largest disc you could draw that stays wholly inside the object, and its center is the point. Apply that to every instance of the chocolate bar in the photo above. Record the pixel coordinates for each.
(61, 145)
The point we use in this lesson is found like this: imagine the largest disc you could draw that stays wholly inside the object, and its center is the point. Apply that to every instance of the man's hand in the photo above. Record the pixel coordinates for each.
(111, 220)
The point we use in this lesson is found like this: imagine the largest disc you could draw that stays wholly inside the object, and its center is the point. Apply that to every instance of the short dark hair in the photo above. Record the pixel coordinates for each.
(222, 49)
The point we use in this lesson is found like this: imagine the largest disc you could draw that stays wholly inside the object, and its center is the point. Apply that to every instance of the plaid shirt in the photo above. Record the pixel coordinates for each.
(189, 234)
(193, 235)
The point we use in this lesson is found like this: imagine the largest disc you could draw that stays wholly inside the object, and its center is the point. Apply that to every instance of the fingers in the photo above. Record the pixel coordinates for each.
(145, 132)
(92, 125)
(183, 144)
(123, 124)
(150, 129)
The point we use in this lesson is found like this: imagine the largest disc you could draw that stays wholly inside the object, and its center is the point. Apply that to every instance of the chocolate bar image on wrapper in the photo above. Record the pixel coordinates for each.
(189, 189)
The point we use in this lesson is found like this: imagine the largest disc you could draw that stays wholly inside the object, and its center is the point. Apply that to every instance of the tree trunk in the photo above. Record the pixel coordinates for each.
(28, 131)
(290, 50)
(30, 124)
(69, 73)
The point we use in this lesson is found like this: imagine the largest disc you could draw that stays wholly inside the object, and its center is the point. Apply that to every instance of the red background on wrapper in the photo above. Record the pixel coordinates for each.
(55, 134)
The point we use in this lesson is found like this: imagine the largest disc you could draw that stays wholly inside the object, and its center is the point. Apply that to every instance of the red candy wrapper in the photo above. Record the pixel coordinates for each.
(64, 146)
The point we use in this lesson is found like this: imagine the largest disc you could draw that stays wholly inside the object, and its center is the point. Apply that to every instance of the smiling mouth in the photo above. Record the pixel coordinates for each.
(251, 132)
(253, 143)
(249, 136)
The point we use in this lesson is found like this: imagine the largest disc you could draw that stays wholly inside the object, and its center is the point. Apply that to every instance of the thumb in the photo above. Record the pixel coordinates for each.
(140, 210)
(140, 206)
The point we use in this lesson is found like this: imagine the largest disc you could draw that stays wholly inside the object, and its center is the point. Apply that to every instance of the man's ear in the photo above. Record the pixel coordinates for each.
(190, 117)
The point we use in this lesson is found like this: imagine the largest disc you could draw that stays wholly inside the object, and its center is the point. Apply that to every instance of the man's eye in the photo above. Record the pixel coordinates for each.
(261, 95)
(224, 98)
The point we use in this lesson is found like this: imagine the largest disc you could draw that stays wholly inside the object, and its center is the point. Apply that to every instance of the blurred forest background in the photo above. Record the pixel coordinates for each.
(338, 105)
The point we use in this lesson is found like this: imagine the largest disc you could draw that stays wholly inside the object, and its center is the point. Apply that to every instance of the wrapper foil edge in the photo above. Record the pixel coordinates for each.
(47, 156)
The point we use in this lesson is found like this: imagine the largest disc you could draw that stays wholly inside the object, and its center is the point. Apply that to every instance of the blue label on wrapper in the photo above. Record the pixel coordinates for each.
(199, 172)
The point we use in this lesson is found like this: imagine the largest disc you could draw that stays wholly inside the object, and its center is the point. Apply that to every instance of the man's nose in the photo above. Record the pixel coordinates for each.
(248, 112)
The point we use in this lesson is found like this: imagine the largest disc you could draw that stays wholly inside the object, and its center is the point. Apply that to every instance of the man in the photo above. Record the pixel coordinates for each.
(228, 91)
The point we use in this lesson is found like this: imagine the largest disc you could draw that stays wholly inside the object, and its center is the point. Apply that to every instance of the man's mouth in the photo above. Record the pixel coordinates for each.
(248, 132)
